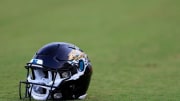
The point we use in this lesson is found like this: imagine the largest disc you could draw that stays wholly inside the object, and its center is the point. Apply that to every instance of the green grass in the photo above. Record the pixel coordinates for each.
(133, 45)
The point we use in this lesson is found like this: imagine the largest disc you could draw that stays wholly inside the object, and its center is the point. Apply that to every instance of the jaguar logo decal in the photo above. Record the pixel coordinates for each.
(76, 55)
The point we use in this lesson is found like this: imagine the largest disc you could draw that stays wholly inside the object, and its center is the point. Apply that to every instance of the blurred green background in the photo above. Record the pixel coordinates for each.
(133, 44)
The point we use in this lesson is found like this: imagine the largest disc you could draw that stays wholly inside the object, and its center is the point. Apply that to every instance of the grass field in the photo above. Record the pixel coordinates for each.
(133, 44)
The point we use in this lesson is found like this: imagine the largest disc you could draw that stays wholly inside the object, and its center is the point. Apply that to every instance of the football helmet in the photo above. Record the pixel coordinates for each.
(57, 71)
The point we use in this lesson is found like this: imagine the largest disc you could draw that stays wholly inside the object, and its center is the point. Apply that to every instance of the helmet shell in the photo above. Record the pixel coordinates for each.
(61, 70)
(55, 55)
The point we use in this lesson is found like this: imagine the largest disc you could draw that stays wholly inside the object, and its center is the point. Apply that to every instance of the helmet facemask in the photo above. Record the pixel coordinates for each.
(43, 77)
(41, 82)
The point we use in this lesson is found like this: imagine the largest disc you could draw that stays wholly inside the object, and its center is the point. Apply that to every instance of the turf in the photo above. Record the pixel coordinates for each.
(133, 45)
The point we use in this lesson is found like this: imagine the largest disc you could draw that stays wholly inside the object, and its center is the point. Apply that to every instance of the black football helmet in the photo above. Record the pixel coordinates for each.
(58, 71)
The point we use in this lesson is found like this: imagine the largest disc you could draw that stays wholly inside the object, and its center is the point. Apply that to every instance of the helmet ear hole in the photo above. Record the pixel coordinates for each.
(81, 65)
